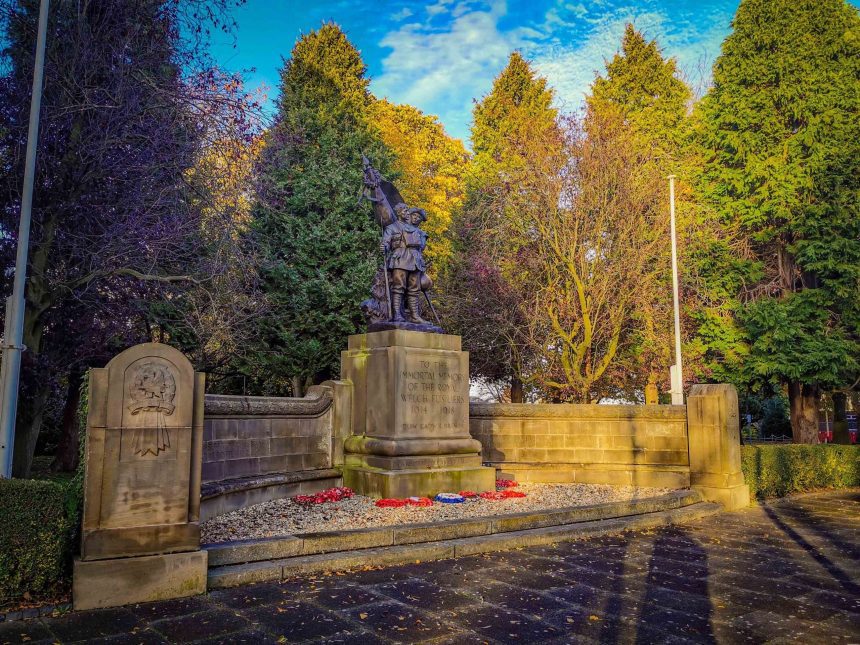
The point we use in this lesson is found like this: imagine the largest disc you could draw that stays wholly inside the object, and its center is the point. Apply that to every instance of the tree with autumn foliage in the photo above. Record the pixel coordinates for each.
(430, 167)
(781, 132)
(591, 266)
(514, 130)
(644, 91)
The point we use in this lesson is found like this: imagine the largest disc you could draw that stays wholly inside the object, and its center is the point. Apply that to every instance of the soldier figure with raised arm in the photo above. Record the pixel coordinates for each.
(403, 244)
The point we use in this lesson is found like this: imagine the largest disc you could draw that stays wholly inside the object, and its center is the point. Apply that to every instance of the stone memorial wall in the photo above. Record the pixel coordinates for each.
(641, 445)
(257, 448)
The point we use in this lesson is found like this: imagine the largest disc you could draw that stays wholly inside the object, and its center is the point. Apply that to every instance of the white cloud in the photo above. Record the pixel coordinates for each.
(441, 70)
(401, 15)
(440, 7)
(570, 67)
(570, 61)
(442, 60)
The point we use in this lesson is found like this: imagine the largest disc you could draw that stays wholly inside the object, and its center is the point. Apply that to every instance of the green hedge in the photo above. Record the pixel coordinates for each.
(778, 470)
(36, 528)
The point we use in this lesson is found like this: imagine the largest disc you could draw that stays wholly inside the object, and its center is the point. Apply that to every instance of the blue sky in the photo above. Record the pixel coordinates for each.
(441, 54)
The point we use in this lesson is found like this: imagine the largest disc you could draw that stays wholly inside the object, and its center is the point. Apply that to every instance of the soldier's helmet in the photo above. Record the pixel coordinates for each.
(422, 214)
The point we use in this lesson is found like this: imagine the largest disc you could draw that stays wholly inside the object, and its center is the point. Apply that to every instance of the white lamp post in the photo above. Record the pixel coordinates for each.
(675, 371)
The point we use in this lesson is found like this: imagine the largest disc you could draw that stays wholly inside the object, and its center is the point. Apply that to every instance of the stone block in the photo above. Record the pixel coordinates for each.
(413, 462)
(537, 426)
(294, 428)
(288, 463)
(403, 338)
(410, 403)
(676, 443)
(245, 574)
(405, 483)
(242, 551)
(252, 428)
(587, 456)
(315, 460)
(450, 530)
(145, 540)
(124, 581)
(283, 446)
(333, 541)
(715, 457)
(233, 450)
(342, 417)
(223, 429)
(144, 454)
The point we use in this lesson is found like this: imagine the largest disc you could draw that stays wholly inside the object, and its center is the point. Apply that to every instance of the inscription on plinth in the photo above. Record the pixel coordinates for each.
(433, 395)
(411, 416)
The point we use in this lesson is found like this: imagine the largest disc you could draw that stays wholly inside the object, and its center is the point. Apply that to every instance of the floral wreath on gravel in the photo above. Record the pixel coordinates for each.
(335, 494)
(502, 492)
(450, 498)
(392, 502)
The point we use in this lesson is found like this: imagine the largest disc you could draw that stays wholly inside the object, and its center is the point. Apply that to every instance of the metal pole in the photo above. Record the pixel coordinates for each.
(12, 346)
(677, 372)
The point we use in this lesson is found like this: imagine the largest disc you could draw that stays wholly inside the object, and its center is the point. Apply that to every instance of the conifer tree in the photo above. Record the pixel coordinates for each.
(514, 130)
(645, 89)
(782, 130)
(320, 247)
(517, 111)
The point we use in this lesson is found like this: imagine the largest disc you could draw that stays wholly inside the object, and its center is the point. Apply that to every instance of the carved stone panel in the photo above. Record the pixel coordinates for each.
(143, 454)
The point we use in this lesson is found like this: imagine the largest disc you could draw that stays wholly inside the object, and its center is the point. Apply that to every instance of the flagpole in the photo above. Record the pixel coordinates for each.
(676, 373)
(14, 327)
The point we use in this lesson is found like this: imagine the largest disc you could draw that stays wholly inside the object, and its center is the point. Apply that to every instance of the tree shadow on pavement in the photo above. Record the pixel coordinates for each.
(831, 567)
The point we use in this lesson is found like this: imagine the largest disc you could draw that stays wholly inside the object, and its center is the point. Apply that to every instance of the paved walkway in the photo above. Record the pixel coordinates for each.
(785, 572)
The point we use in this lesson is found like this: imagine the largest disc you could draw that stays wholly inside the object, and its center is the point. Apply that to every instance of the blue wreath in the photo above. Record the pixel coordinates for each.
(450, 498)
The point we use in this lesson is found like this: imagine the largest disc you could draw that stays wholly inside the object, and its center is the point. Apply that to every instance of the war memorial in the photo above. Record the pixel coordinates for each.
(162, 456)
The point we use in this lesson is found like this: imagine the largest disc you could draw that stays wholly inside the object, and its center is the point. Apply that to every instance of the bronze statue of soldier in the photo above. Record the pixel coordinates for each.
(403, 244)
(402, 279)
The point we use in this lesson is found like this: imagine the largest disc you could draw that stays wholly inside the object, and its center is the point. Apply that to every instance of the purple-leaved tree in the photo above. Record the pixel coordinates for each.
(126, 245)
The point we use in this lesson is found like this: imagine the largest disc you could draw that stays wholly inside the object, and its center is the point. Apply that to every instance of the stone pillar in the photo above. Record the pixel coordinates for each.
(341, 417)
(715, 452)
(141, 534)
(652, 394)
(410, 425)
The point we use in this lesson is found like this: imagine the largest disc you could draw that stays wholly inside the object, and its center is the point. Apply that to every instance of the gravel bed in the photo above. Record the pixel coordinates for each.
(285, 517)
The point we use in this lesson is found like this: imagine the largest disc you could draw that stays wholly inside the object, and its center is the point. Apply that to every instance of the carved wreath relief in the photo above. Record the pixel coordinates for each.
(151, 390)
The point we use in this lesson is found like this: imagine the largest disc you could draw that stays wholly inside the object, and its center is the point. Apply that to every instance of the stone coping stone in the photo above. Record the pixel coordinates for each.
(226, 486)
(403, 338)
(305, 544)
(574, 411)
(284, 569)
(317, 400)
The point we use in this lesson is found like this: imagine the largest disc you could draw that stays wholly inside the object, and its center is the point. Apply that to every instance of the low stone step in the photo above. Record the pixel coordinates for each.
(283, 569)
(242, 551)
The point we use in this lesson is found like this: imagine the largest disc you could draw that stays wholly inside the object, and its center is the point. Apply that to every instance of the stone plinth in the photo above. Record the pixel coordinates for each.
(142, 484)
(410, 429)
(715, 452)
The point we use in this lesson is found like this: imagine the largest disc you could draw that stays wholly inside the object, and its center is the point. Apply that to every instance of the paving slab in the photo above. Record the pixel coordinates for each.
(776, 573)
